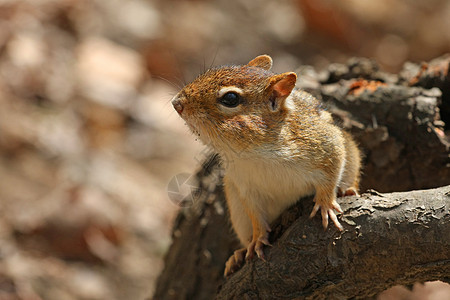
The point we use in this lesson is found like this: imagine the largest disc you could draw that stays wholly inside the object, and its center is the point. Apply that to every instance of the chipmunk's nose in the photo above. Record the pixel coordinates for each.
(177, 105)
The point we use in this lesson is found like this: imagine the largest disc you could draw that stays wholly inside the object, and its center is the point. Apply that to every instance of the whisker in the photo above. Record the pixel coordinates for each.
(171, 113)
(178, 72)
(169, 82)
(214, 58)
(200, 69)
(167, 103)
(204, 64)
(181, 81)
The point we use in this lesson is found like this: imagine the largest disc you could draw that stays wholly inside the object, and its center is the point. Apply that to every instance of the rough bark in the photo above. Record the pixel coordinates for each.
(202, 242)
(390, 239)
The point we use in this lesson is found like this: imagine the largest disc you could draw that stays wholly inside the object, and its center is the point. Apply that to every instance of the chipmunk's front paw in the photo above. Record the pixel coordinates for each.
(327, 210)
(256, 246)
(234, 262)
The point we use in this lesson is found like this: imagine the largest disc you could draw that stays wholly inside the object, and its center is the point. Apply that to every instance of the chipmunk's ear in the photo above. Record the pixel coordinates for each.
(262, 61)
(281, 86)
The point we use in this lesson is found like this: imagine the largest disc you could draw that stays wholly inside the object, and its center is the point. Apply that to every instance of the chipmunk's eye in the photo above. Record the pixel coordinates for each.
(230, 99)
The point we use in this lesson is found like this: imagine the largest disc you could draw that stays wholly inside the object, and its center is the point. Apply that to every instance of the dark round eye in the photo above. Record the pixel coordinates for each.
(230, 99)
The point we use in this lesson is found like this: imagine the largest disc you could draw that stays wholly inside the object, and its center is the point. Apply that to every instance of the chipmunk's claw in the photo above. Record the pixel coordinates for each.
(256, 246)
(351, 191)
(328, 211)
(234, 262)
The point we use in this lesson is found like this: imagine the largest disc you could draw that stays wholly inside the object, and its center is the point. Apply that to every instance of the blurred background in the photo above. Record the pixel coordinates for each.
(89, 140)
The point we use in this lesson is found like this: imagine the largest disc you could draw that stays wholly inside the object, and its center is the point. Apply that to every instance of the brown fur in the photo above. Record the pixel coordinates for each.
(278, 145)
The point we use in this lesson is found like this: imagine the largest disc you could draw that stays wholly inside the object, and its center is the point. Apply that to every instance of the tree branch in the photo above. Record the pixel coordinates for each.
(389, 239)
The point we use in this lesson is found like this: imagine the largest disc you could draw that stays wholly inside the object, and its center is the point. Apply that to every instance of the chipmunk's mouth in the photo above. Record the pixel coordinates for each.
(194, 129)
(198, 130)
(191, 119)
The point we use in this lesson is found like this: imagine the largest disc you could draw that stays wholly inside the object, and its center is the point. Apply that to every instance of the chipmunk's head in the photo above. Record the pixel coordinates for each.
(236, 106)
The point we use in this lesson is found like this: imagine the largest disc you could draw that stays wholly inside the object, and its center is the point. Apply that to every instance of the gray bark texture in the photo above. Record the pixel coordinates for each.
(402, 125)
(397, 238)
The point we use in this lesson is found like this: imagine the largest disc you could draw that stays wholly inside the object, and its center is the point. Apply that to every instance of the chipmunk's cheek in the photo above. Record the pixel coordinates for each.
(190, 122)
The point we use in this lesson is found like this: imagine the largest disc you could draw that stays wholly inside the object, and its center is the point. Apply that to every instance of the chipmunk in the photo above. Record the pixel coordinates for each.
(277, 143)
